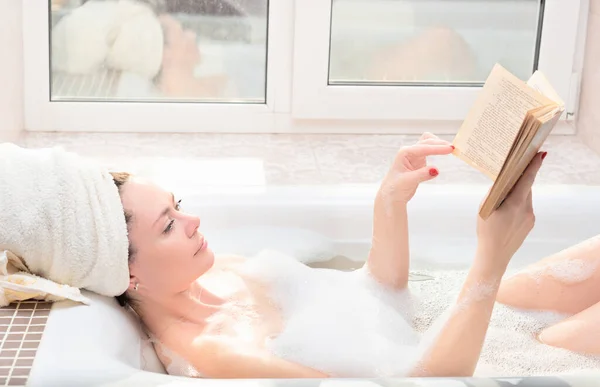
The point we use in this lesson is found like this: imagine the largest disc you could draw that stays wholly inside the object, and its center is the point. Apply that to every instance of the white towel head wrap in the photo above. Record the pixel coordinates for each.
(62, 216)
(124, 35)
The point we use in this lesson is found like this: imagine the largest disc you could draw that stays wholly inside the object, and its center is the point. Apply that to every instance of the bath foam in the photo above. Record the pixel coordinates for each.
(511, 347)
(570, 271)
(178, 365)
(346, 324)
(341, 323)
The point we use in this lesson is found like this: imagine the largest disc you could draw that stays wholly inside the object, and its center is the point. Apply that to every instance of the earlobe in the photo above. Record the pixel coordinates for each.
(133, 284)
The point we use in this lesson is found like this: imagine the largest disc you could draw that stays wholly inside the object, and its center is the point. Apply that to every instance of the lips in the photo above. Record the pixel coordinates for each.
(203, 245)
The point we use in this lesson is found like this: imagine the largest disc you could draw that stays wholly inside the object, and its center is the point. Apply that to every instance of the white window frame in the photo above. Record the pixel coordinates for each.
(314, 98)
(298, 99)
(43, 115)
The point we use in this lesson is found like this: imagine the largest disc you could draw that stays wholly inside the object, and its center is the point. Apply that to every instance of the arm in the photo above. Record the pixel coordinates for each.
(389, 256)
(224, 358)
(457, 345)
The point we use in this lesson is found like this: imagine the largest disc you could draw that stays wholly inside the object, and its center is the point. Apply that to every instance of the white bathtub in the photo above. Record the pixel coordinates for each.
(100, 344)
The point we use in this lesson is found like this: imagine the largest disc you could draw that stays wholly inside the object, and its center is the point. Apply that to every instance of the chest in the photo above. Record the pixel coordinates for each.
(248, 313)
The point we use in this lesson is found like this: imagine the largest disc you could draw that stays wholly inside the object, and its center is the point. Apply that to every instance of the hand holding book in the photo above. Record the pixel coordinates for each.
(505, 129)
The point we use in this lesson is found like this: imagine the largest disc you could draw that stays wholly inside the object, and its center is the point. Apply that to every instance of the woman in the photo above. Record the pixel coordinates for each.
(153, 46)
(226, 321)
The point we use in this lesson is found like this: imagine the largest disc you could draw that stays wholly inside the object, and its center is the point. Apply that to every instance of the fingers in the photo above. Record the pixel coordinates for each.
(422, 150)
(428, 135)
(432, 139)
(522, 189)
(435, 141)
(424, 174)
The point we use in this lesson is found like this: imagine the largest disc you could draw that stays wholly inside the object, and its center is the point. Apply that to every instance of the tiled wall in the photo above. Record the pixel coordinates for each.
(11, 69)
(589, 114)
(21, 329)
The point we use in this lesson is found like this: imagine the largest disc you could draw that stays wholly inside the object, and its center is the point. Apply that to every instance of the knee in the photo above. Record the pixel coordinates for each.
(574, 336)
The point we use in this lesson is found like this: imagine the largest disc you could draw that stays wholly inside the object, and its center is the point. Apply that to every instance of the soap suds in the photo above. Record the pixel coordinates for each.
(177, 365)
(569, 272)
(511, 347)
(476, 293)
(346, 324)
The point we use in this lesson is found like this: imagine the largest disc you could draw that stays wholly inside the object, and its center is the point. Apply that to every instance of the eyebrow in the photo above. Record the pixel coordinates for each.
(165, 211)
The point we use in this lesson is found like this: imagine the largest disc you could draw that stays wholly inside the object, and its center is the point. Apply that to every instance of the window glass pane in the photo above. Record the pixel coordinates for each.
(431, 41)
(159, 50)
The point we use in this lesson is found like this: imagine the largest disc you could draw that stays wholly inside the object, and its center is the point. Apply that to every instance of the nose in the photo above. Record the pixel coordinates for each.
(193, 223)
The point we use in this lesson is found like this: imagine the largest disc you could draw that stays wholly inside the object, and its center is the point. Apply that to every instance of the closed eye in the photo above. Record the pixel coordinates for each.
(169, 227)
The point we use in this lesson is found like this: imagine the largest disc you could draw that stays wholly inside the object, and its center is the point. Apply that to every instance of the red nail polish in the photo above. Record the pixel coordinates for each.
(433, 172)
(453, 147)
(544, 155)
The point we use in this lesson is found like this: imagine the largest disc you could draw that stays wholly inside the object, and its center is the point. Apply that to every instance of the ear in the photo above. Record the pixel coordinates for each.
(133, 281)
(133, 278)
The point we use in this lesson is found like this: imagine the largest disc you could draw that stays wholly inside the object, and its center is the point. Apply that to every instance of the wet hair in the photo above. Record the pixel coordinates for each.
(120, 178)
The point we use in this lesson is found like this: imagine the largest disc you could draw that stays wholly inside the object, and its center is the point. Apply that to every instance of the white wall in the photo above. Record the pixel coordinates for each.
(589, 113)
(11, 69)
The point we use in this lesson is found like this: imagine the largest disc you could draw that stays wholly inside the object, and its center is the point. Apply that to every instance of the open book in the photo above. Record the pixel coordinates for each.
(505, 129)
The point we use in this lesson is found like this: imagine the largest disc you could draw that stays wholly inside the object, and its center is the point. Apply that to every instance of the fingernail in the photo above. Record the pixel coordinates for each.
(544, 155)
(433, 172)
(453, 147)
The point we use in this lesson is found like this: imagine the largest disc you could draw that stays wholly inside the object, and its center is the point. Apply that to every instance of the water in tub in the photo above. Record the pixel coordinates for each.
(343, 323)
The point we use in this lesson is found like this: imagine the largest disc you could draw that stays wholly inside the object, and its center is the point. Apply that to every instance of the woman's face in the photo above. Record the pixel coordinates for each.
(169, 252)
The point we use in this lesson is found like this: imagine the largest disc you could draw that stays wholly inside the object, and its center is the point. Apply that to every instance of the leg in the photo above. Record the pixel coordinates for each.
(579, 333)
(566, 282)
(437, 54)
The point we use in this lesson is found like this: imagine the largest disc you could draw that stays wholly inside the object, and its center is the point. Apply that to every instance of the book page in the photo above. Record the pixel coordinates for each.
(525, 136)
(487, 134)
(540, 83)
(547, 123)
(539, 133)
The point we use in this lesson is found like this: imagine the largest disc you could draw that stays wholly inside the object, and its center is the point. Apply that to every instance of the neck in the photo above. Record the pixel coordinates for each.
(193, 305)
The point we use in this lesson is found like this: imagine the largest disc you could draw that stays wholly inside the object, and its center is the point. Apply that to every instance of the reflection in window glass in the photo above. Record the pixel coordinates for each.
(431, 41)
(159, 50)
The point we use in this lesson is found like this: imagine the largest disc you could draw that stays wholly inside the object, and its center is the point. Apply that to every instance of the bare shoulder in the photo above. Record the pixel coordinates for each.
(189, 344)
(213, 356)
(172, 346)
(224, 357)
(216, 356)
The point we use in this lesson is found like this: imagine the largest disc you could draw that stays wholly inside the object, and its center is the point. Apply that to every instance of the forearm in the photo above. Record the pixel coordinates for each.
(456, 347)
(389, 256)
